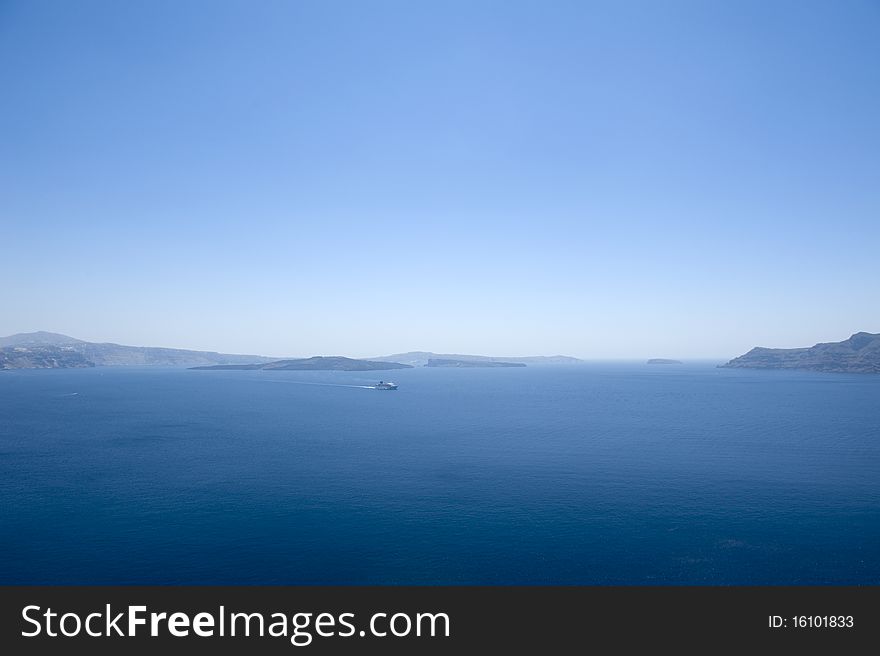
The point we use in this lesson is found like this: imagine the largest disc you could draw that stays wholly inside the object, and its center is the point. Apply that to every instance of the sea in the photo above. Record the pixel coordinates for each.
(595, 474)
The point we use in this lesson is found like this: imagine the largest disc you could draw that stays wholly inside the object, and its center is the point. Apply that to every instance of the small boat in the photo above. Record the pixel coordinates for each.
(386, 386)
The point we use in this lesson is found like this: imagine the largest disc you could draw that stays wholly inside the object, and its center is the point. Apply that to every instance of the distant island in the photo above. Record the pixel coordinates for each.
(317, 363)
(663, 361)
(858, 354)
(443, 362)
(42, 357)
(42, 350)
(45, 350)
(421, 359)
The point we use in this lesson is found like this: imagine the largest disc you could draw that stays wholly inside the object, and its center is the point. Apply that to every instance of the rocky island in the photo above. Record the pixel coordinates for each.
(42, 356)
(317, 363)
(858, 354)
(43, 350)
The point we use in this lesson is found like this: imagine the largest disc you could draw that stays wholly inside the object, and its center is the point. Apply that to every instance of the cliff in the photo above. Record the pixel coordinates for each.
(858, 354)
(40, 346)
(42, 356)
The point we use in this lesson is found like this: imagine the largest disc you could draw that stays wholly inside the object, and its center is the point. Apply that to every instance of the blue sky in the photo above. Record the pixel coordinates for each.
(606, 180)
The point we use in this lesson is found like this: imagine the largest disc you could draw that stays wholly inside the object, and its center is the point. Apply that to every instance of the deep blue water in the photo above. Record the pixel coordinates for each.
(599, 474)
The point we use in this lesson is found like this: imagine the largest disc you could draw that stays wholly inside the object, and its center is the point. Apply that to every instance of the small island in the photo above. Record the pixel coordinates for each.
(663, 361)
(317, 363)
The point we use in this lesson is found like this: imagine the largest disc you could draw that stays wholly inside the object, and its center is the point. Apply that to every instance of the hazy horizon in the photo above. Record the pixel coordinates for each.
(599, 180)
(618, 358)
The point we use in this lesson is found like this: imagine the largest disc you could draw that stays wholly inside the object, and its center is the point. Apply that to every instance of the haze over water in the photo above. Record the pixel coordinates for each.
(611, 473)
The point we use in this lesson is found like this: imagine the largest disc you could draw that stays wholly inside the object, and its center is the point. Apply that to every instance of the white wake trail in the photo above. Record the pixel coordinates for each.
(302, 382)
